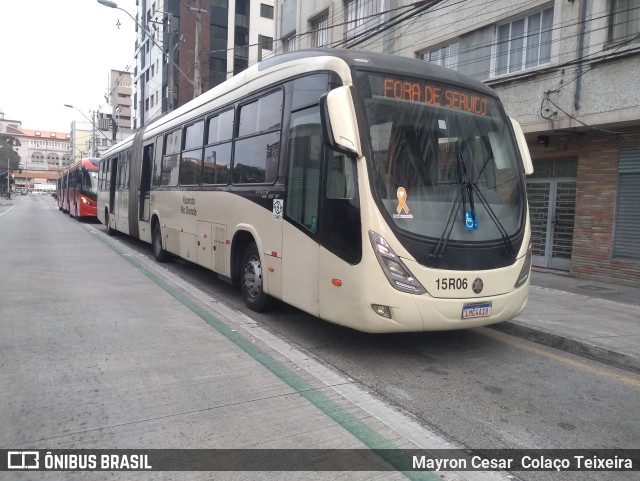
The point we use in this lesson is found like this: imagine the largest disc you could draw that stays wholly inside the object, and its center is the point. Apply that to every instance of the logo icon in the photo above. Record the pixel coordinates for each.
(477, 285)
(278, 209)
(23, 460)
(470, 220)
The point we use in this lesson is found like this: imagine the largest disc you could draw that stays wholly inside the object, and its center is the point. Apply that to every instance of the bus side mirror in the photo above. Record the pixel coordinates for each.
(522, 146)
(339, 126)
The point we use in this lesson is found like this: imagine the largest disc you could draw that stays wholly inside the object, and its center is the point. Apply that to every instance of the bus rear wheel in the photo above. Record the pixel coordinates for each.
(251, 283)
(159, 253)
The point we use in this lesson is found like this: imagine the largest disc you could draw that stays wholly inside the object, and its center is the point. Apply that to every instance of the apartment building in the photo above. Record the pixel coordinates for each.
(233, 34)
(567, 70)
(120, 93)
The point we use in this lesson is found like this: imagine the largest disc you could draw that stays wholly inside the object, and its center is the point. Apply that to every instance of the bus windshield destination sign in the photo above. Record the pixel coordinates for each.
(434, 95)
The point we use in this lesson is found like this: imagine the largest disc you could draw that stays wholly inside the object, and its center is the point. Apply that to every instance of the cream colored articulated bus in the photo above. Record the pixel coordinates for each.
(373, 191)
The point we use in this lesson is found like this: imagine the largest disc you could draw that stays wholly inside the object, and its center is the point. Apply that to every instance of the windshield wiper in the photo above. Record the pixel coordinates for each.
(444, 237)
(495, 219)
(468, 187)
(465, 184)
(438, 251)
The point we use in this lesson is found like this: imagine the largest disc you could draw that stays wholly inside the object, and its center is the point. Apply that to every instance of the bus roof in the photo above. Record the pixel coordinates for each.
(339, 60)
(89, 163)
(383, 62)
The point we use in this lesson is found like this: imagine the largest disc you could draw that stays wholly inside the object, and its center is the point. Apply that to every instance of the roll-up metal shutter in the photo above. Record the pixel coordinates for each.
(626, 242)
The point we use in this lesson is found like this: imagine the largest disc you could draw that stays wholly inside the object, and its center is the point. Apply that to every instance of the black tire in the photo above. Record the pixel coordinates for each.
(110, 231)
(159, 253)
(251, 281)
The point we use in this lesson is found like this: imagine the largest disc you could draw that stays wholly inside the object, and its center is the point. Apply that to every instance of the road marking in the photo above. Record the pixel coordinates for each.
(506, 339)
(8, 210)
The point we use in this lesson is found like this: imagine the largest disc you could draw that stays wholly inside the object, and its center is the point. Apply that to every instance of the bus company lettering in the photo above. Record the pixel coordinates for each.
(188, 206)
(433, 95)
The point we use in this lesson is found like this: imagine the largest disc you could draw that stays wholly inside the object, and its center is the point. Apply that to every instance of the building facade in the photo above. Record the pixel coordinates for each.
(567, 70)
(83, 138)
(42, 153)
(233, 34)
(120, 99)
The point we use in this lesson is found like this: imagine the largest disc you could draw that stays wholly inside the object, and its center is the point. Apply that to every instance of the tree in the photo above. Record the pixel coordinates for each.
(9, 158)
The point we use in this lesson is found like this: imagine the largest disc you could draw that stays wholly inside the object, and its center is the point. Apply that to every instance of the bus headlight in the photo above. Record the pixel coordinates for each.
(397, 273)
(526, 269)
(86, 201)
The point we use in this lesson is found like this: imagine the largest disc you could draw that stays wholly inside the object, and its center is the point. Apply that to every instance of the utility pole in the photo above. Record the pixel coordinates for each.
(114, 127)
(197, 79)
(170, 81)
(93, 134)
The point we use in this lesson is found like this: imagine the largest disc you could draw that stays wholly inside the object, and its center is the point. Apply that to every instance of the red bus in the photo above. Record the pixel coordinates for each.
(77, 189)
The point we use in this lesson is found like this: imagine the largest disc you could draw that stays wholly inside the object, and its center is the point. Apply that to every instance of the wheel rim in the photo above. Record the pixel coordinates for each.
(253, 276)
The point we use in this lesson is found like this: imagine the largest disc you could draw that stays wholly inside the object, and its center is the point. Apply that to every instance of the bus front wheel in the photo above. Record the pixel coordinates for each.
(251, 283)
(159, 253)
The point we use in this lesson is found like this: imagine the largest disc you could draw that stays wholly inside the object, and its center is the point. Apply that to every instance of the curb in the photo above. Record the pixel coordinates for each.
(572, 346)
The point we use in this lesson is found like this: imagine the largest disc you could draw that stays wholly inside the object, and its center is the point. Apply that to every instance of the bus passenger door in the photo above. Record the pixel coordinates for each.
(122, 202)
(300, 245)
(145, 182)
(113, 185)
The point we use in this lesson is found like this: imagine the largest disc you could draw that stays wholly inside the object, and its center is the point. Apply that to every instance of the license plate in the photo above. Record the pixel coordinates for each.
(476, 310)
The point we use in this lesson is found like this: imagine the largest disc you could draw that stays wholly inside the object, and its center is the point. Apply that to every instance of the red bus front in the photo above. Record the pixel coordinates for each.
(81, 192)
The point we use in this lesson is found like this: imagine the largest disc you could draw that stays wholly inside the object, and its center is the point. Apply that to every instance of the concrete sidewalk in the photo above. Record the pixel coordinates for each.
(588, 318)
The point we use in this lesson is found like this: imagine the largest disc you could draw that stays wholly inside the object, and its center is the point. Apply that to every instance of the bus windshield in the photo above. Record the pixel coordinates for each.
(444, 162)
(89, 181)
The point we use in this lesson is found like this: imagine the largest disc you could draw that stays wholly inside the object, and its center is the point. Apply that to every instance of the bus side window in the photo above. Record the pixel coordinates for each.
(257, 151)
(191, 158)
(171, 158)
(157, 163)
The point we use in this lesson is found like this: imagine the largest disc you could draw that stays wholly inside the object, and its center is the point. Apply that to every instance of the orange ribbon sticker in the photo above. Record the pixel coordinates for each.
(402, 198)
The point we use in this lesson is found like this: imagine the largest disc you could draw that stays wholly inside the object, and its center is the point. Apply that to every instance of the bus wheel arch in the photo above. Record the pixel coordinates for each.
(247, 269)
(159, 253)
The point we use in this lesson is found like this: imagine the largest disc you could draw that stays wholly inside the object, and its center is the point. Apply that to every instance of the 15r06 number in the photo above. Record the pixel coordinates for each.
(451, 283)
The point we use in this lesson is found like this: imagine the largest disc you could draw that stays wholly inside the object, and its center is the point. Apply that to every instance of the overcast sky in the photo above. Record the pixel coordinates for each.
(58, 52)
